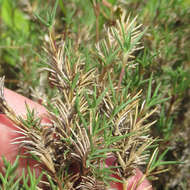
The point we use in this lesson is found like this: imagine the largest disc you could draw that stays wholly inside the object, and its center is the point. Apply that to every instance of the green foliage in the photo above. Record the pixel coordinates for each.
(9, 179)
(179, 81)
(31, 181)
(50, 16)
(161, 69)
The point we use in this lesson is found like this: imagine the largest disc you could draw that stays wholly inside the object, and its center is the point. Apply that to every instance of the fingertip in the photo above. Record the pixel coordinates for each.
(18, 103)
(138, 182)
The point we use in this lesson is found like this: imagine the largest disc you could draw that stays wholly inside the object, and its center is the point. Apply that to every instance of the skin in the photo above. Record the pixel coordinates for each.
(10, 151)
(7, 130)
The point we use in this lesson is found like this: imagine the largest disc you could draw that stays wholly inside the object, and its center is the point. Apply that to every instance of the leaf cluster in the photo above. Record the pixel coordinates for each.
(96, 116)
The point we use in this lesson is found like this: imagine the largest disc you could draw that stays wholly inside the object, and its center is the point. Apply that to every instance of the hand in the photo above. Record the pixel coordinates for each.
(10, 151)
(7, 130)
